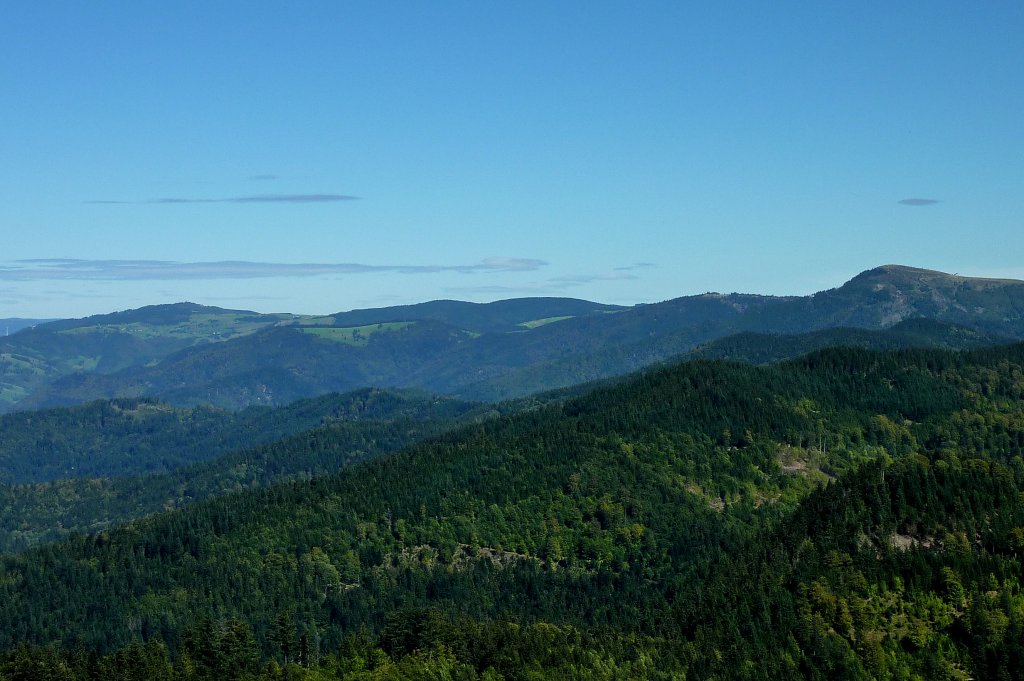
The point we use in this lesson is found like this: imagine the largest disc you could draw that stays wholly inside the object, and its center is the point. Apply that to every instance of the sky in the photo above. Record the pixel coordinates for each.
(316, 157)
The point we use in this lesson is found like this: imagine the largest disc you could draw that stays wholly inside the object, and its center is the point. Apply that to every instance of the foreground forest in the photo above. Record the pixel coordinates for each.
(850, 514)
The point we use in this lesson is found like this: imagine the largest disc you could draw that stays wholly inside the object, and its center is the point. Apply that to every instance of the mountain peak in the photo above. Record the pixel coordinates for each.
(889, 294)
(904, 276)
(893, 268)
(161, 314)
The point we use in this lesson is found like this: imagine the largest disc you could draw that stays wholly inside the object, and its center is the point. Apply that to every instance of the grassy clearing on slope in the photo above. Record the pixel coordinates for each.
(207, 326)
(354, 335)
(82, 363)
(534, 323)
(10, 393)
(20, 364)
(312, 321)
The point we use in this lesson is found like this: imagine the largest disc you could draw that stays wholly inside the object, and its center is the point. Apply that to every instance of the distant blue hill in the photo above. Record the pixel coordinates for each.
(16, 324)
(188, 354)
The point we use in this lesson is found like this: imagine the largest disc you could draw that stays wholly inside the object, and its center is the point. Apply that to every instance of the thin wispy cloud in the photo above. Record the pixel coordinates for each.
(499, 290)
(242, 299)
(549, 286)
(92, 294)
(69, 269)
(258, 198)
(578, 279)
(16, 296)
(918, 202)
(382, 300)
(636, 266)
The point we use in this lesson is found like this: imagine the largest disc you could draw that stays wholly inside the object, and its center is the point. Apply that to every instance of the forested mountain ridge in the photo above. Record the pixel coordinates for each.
(515, 314)
(747, 346)
(763, 348)
(35, 356)
(128, 458)
(662, 526)
(11, 325)
(125, 437)
(493, 352)
(134, 340)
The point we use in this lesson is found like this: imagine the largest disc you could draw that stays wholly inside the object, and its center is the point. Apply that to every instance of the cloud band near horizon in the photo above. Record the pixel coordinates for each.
(68, 269)
(259, 198)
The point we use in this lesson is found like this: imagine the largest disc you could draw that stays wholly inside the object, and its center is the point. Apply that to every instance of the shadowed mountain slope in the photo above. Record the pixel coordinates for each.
(125, 459)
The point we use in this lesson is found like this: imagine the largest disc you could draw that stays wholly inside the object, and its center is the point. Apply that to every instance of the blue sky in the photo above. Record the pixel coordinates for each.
(316, 157)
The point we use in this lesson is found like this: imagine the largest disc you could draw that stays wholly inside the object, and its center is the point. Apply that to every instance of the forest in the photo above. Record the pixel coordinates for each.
(850, 514)
(89, 467)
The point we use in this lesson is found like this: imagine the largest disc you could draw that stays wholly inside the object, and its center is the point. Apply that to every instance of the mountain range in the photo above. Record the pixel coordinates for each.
(188, 354)
(818, 487)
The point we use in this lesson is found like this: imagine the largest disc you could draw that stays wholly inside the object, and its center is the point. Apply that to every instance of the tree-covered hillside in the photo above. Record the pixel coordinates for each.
(126, 437)
(129, 458)
(40, 354)
(763, 348)
(130, 342)
(747, 346)
(666, 526)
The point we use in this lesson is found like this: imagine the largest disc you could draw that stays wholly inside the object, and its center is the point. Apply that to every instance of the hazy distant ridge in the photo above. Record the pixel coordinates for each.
(189, 354)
